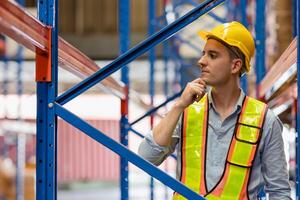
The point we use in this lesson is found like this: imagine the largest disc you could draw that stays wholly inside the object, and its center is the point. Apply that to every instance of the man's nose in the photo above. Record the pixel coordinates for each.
(202, 62)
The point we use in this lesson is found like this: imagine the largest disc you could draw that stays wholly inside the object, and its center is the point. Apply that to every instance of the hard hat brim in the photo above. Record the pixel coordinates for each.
(204, 34)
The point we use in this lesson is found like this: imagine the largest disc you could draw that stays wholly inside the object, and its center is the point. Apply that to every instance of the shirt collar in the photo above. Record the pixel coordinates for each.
(239, 103)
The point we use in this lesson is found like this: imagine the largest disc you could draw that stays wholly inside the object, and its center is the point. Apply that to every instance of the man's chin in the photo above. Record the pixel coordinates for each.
(205, 79)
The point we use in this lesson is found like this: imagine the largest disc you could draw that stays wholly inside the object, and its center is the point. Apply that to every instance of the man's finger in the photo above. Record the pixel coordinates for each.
(199, 93)
(199, 88)
(199, 80)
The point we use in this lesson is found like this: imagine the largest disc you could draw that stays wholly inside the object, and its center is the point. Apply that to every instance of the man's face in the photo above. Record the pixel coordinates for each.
(215, 63)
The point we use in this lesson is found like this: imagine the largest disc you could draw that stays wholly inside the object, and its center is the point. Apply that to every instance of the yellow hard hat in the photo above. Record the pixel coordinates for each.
(234, 34)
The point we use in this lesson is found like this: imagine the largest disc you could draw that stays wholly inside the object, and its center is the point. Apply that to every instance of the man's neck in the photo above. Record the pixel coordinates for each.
(225, 99)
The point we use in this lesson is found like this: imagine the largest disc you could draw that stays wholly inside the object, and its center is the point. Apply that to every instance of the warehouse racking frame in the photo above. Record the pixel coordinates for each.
(50, 49)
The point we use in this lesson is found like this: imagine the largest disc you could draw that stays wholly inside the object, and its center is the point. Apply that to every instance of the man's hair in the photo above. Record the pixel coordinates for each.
(234, 53)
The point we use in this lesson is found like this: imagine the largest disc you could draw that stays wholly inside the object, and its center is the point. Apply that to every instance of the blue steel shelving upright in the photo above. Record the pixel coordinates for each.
(260, 33)
(46, 118)
(124, 29)
(152, 58)
(294, 7)
(243, 18)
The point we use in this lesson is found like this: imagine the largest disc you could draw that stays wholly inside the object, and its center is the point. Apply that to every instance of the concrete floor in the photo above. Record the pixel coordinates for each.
(138, 189)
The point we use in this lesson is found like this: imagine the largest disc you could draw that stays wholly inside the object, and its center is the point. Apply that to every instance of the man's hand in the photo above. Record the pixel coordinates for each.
(193, 91)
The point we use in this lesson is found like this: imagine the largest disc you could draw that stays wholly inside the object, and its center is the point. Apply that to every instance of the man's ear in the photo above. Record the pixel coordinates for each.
(236, 65)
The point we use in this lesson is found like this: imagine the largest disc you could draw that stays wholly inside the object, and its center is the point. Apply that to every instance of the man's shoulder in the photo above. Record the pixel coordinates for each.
(271, 116)
(272, 123)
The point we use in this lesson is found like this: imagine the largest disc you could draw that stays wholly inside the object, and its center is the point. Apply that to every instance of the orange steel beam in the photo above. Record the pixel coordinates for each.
(26, 30)
(22, 26)
(290, 93)
(286, 60)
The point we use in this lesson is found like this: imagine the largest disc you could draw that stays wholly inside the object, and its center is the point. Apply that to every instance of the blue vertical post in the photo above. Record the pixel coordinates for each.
(166, 65)
(260, 42)
(230, 10)
(298, 105)
(175, 54)
(151, 30)
(236, 9)
(294, 7)
(165, 52)
(152, 57)
(243, 9)
(124, 28)
(166, 56)
(46, 183)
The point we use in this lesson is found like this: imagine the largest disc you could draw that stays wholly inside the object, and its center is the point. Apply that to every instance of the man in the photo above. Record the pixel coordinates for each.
(229, 145)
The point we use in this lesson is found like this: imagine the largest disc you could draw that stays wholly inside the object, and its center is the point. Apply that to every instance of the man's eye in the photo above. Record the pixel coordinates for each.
(213, 56)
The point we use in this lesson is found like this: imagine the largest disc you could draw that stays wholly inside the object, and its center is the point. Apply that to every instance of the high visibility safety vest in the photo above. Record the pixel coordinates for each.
(245, 140)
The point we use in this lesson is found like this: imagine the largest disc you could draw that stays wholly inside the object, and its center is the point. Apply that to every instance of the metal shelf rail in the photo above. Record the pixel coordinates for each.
(279, 83)
(31, 33)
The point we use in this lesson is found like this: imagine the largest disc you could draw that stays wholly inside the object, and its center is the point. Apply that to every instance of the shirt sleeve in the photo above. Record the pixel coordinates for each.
(155, 153)
(274, 166)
